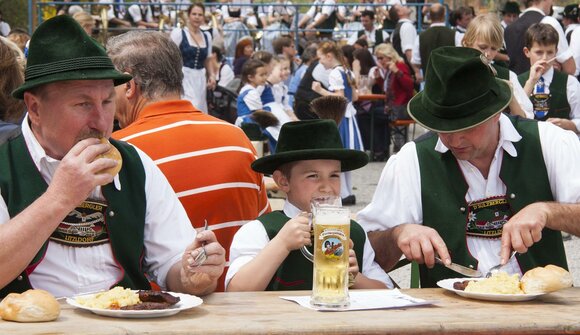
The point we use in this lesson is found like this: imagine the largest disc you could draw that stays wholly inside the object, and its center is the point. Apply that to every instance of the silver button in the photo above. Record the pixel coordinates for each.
(462, 209)
(512, 196)
(111, 213)
(20, 278)
(471, 266)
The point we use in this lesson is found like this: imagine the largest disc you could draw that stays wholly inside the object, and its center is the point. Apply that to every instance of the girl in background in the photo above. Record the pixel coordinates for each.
(195, 47)
(485, 34)
(244, 50)
(254, 75)
(341, 83)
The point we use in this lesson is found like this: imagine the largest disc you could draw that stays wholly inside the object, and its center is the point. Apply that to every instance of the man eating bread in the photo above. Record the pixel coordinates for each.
(73, 218)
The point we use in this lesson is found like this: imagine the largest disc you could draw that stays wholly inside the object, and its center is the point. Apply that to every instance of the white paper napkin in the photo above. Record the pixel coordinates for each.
(371, 299)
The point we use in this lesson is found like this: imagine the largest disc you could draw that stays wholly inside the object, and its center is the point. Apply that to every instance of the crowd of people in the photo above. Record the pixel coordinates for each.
(499, 94)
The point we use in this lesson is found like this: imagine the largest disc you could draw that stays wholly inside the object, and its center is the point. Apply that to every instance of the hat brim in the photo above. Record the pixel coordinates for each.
(349, 159)
(90, 74)
(426, 119)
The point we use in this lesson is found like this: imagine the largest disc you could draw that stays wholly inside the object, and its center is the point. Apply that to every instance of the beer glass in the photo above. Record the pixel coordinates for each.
(331, 224)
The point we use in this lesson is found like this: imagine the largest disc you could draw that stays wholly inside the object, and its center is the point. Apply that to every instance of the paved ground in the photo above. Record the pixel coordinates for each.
(365, 181)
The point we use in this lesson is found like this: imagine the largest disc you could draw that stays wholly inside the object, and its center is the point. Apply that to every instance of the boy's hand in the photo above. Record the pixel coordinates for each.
(352, 262)
(295, 233)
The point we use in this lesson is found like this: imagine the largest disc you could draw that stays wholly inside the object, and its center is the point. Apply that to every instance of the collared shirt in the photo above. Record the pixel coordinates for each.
(397, 198)
(572, 92)
(408, 34)
(67, 270)
(252, 238)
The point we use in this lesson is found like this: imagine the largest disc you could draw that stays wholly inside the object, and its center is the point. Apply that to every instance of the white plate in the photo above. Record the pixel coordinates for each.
(448, 285)
(186, 302)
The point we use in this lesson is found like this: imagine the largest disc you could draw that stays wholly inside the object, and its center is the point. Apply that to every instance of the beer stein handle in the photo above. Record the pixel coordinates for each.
(304, 250)
(307, 254)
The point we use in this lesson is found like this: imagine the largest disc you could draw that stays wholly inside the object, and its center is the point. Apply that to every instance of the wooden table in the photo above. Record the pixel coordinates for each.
(372, 97)
(265, 313)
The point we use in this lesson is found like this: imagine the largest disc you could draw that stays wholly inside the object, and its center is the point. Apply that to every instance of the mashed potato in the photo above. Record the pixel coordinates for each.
(114, 298)
(498, 283)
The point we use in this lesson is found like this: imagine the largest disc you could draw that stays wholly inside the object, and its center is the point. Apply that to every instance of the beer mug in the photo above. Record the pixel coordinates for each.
(331, 224)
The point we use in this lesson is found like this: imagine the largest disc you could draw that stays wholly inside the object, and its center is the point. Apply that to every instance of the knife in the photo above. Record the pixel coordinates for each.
(460, 269)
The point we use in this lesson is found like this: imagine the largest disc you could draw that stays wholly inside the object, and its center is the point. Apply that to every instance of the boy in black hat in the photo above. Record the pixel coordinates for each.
(265, 254)
(509, 13)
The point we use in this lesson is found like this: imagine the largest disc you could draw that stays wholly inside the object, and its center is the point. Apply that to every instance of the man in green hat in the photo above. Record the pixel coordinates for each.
(265, 253)
(68, 224)
(480, 185)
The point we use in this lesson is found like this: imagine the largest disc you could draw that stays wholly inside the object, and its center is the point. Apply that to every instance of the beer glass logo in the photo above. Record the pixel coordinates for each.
(332, 243)
(332, 248)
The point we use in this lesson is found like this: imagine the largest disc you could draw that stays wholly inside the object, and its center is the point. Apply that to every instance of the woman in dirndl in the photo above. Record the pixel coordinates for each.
(195, 47)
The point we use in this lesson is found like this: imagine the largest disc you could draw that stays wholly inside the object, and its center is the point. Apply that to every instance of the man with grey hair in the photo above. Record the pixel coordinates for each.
(206, 160)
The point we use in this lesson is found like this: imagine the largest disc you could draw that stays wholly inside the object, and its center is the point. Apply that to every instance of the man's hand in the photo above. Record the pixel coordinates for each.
(216, 259)
(79, 172)
(523, 230)
(421, 244)
(295, 234)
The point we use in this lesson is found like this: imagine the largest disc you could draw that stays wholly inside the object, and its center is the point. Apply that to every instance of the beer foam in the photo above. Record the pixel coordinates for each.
(332, 219)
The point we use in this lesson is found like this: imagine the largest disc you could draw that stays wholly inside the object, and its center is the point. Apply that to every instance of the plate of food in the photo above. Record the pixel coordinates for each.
(504, 287)
(119, 302)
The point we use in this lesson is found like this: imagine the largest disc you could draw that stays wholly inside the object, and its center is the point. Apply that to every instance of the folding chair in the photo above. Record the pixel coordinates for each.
(222, 103)
(401, 127)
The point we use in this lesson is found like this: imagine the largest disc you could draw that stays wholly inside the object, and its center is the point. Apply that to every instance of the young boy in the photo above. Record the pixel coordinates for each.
(264, 254)
(554, 94)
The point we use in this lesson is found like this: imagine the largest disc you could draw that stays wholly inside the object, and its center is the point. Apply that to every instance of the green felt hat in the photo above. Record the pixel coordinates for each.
(61, 50)
(461, 91)
(307, 140)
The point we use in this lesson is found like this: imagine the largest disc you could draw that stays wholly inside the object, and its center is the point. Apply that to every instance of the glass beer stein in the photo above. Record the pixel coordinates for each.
(331, 224)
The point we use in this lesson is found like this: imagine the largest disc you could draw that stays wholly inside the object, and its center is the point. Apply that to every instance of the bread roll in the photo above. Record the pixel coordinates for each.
(545, 279)
(113, 153)
(30, 306)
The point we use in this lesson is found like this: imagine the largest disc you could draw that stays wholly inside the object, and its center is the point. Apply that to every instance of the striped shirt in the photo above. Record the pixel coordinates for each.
(207, 162)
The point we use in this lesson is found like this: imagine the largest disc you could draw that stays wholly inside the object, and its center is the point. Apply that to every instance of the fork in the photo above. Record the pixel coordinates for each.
(202, 256)
(495, 269)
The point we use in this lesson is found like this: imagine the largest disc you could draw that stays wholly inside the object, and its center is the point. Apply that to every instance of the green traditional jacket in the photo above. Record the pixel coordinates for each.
(21, 184)
(445, 209)
(559, 106)
(295, 273)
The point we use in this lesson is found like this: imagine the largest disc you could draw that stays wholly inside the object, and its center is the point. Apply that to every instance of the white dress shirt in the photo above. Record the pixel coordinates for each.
(575, 44)
(521, 96)
(397, 198)
(67, 270)
(252, 238)
(408, 34)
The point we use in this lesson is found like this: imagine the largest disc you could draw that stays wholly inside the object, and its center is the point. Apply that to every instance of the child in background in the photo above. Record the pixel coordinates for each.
(554, 94)
(341, 83)
(279, 87)
(265, 253)
(273, 102)
(485, 34)
(254, 75)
